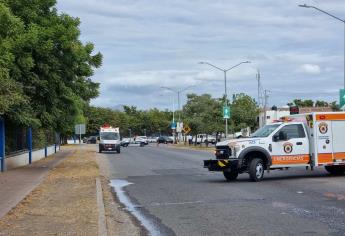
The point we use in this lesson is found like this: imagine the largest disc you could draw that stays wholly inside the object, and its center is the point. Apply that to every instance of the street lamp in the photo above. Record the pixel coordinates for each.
(178, 92)
(225, 88)
(335, 17)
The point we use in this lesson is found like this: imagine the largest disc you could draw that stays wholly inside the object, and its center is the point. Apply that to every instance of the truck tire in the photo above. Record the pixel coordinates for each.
(256, 170)
(230, 175)
(335, 170)
(100, 150)
(118, 150)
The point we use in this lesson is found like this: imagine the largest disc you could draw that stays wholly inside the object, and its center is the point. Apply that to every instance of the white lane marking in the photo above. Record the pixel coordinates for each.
(118, 186)
(174, 203)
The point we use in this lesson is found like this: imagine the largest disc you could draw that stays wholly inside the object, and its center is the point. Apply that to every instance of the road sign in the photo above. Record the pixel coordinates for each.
(80, 129)
(186, 129)
(173, 125)
(179, 127)
(342, 97)
(226, 112)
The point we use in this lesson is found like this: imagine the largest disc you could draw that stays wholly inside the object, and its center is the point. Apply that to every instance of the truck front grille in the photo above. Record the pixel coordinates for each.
(223, 152)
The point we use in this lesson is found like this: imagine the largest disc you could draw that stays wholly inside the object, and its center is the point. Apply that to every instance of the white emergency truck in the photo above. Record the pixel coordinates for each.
(109, 139)
(303, 140)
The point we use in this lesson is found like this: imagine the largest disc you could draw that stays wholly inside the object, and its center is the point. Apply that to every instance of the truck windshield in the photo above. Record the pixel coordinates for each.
(265, 131)
(109, 136)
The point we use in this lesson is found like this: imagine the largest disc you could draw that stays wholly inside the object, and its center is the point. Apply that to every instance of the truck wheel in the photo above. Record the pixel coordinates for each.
(118, 150)
(256, 170)
(230, 175)
(100, 150)
(335, 170)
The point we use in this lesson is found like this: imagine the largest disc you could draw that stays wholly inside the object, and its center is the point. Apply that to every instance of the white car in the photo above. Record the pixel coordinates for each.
(152, 139)
(142, 139)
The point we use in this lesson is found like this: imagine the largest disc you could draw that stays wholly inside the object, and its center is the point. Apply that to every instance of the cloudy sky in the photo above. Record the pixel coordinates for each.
(148, 44)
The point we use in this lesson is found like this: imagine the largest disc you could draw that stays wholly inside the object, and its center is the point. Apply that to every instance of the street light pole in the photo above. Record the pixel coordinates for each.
(225, 85)
(333, 16)
(178, 92)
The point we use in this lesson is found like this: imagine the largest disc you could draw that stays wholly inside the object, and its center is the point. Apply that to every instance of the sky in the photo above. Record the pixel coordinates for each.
(150, 44)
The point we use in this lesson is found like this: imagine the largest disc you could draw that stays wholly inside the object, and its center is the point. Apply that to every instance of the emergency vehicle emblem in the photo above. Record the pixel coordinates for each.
(288, 148)
(323, 128)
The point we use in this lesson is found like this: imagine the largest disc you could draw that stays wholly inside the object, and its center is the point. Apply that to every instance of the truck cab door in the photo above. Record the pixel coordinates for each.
(290, 146)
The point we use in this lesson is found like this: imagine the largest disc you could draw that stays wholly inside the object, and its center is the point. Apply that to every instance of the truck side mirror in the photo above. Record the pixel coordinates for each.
(281, 136)
(275, 138)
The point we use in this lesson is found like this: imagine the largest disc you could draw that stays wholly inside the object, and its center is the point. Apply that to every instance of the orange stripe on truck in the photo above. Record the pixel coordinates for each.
(325, 157)
(330, 116)
(290, 159)
(329, 157)
(339, 155)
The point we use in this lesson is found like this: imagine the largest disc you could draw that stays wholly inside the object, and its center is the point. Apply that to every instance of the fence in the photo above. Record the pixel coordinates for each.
(18, 144)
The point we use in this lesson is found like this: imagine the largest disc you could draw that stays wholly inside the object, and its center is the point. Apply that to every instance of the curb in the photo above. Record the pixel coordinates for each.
(102, 225)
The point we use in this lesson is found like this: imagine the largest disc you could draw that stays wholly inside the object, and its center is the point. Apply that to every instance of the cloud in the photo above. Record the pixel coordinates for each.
(310, 69)
(152, 43)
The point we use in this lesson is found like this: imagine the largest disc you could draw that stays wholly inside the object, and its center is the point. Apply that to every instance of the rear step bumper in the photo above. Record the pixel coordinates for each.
(221, 164)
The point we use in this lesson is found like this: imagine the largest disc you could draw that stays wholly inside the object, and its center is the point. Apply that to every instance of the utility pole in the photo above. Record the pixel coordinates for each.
(259, 84)
(266, 96)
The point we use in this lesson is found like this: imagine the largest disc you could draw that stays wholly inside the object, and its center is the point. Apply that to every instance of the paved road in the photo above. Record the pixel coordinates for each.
(172, 191)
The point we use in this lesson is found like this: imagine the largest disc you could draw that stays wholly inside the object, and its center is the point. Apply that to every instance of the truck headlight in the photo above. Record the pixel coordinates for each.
(237, 149)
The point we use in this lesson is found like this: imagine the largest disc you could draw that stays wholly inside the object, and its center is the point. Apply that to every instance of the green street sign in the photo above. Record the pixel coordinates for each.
(226, 112)
(342, 97)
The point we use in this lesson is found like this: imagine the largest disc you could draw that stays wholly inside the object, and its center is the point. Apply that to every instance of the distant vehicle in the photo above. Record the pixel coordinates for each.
(109, 139)
(125, 142)
(152, 139)
(142, 139)
(92, 139)
(201, 138)
(85, 140)
(165, 139)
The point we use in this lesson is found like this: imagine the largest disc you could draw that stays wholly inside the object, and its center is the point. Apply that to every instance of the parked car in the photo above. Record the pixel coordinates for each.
(152, 139)
(142, 139)
(125, 142)
(164, 139)
(92, 139)
(201, 138)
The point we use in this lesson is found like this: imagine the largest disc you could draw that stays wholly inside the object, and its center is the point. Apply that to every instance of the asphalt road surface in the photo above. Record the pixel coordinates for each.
(172, 194)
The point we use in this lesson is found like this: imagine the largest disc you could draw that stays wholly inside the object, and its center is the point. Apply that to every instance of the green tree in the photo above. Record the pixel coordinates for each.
(14, 105)
(51, 67)
(203, 113)
(244, 112)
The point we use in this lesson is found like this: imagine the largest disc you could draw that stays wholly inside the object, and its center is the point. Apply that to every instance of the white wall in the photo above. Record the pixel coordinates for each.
(23, 159)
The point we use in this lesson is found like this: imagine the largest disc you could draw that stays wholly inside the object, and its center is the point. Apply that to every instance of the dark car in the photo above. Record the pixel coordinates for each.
(164, 139)
(92, 139)
(84, 139)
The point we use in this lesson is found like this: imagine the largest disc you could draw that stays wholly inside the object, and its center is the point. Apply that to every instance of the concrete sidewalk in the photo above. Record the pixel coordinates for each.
(16, 184)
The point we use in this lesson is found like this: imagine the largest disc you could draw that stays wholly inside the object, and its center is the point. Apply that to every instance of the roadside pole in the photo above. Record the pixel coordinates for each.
(2, 144)
(29, 143)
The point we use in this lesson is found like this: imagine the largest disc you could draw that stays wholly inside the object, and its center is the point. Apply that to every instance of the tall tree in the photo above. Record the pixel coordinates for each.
(203, 113)
(244, 112)
(51, 65)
